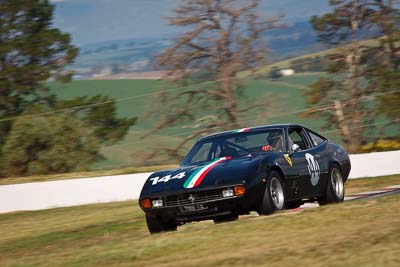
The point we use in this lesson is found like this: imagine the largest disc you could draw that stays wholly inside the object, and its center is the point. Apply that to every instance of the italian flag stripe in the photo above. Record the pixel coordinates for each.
(186, 184)
(244, 130)
(198, 175)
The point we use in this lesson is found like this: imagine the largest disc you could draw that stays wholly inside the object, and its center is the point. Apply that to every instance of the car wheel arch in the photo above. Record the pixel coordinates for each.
(279, 170)
(336, 163)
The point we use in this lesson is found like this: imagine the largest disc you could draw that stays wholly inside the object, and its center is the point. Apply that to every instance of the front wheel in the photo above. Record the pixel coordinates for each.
(334, 192)
(274, 195)
(156, 225)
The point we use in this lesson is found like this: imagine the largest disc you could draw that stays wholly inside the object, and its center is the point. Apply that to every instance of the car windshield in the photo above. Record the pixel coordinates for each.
(236, 145)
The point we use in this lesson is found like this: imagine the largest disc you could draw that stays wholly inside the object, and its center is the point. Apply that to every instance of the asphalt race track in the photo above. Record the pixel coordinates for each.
(105, 189)
(391, 190)
(386, 191)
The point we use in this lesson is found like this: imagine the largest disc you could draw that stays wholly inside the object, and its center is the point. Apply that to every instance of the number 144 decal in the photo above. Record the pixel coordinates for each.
(167, 178)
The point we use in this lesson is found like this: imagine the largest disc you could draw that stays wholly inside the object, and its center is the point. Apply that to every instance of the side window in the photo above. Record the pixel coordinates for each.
(316, 139)
(217, 152)
(296, 136)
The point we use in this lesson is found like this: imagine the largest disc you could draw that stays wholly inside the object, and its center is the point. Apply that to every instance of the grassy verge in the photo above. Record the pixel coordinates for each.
(64, 176)
(357, 233)
(365, 184)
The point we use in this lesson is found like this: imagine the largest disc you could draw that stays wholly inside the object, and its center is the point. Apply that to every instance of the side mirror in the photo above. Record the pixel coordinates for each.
(295, 148)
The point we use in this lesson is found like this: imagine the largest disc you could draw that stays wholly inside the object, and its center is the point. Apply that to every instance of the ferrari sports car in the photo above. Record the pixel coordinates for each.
(263, 169)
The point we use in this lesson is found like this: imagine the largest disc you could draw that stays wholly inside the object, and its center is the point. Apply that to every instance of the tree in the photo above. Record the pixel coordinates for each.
(32, 52)
(48, 144)
(100, 116)
(222, 38)
(384, 64)
(350, 81)
(65, 142)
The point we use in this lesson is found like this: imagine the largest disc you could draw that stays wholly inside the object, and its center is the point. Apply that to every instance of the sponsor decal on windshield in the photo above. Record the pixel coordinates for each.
(198, 175)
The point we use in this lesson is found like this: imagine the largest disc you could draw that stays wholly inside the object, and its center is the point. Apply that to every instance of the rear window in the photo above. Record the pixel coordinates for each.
(316, 139)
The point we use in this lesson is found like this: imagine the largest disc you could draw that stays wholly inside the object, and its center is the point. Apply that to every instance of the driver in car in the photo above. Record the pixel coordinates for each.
(275, 140)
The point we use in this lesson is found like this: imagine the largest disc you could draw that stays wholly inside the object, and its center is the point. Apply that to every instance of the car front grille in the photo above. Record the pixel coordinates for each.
(193, 198)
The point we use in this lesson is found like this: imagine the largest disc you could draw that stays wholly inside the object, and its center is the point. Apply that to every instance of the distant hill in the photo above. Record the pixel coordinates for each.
(124, 36)
(138, 54)
(95, 21)
(294, 40)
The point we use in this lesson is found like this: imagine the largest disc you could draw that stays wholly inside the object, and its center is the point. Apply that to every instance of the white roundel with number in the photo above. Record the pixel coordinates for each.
(313, 168)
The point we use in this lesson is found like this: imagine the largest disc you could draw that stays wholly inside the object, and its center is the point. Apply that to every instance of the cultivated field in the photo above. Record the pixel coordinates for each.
(285, 100)
(283, 96)
(356, 233)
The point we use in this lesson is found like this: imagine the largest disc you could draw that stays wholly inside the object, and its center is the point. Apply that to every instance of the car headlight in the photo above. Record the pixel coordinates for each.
(156, 203)
(227, 193)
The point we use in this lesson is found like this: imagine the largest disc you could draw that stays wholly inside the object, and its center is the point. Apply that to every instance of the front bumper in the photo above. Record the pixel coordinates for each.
(201, 205)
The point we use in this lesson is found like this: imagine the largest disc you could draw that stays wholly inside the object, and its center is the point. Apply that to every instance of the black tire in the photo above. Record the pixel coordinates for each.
(274, 195)
(334, 191)
(224, 219)
(156, 225)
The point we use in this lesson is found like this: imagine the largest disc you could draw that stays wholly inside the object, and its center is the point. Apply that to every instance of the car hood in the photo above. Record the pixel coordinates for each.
(223, 171)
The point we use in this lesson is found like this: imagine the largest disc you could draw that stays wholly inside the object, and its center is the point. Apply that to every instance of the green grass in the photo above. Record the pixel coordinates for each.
(284, 96)
(116, 89)
(365, 184)
(303, 79)
(357, 233)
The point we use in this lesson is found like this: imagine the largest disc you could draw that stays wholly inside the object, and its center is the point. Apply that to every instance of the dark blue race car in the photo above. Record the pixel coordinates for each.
(261, 169)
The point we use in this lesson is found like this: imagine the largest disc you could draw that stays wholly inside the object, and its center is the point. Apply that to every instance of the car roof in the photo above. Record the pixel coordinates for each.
(263, 127)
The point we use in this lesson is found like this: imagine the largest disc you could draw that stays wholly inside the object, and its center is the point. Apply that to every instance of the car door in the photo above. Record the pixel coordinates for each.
(305, 160)
(320, 149)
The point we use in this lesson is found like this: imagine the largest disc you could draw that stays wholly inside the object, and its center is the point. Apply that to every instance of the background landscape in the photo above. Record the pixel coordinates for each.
(119, 43)
(108, 90)
(289, 91)
(116, 42)
(116, 54)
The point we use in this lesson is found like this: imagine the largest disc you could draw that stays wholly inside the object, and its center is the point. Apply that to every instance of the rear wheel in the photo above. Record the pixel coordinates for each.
(334, 192)
(156, 225)
(274, 195)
